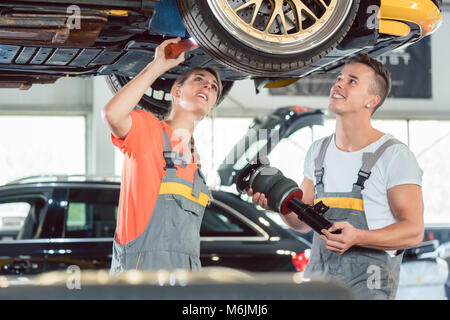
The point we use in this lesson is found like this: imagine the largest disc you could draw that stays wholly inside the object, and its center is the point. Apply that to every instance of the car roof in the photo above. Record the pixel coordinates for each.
(65, 179)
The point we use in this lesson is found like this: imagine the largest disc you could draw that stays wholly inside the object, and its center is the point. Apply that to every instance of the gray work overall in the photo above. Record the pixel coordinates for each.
(171, 239)
(372, 274)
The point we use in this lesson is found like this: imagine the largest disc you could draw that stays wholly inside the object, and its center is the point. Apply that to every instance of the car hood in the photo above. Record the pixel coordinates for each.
(263, 135)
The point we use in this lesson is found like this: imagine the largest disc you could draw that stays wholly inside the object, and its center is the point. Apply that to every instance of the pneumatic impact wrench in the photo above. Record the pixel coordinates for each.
(283, 194)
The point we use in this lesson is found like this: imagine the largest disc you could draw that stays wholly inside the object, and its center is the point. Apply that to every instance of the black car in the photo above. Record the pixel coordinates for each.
(274, 42)
(71, 221)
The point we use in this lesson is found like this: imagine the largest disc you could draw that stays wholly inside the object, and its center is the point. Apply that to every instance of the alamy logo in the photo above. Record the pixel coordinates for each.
(373, 22)
(74, 17)
(374, 278)
(74, 279)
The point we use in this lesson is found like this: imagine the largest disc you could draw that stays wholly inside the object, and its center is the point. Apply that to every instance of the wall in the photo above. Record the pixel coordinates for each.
(65, 96)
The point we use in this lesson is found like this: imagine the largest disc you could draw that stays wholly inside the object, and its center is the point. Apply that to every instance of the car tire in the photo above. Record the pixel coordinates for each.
(157, 98)
(238, 38)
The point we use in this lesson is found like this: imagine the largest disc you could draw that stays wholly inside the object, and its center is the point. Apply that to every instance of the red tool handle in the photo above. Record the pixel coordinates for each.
(173, 50)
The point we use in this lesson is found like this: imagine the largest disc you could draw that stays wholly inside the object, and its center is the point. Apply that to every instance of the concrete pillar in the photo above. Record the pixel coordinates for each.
(100, 150)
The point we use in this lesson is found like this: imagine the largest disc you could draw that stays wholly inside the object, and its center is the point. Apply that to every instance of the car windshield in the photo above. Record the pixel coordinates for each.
(219, 222)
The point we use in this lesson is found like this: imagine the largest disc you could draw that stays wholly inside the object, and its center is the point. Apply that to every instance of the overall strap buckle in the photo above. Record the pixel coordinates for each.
(318, 173)
(369, 160)
(169, 158)
(362, 177)
(172, 158)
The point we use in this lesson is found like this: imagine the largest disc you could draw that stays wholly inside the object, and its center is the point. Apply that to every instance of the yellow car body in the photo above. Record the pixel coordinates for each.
(396, 16)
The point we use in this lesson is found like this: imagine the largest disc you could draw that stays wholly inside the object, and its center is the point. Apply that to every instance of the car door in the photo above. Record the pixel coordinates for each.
(235, 234)
(228, 239)
(88, 229)
(22, 209)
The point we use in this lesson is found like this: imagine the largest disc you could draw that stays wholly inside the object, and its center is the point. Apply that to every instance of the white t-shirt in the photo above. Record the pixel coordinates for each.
(396, 166)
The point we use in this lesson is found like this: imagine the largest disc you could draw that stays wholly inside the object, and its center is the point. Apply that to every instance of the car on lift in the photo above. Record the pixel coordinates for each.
(273, 42)
(71, 220)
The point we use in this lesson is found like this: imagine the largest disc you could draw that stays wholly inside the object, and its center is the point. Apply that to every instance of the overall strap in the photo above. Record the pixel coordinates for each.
(171, 157)
(318, 164)
(369, 159)
(198, 183)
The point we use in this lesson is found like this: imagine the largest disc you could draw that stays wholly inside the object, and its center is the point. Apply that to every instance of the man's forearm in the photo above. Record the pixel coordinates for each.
(397, 236)
(295, 223)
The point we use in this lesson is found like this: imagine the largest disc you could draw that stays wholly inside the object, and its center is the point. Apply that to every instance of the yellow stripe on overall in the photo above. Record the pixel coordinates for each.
(183, 190)
(342, 203)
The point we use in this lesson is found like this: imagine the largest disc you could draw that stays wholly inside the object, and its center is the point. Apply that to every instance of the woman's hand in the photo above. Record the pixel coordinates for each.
(160, 61)
(117, 111)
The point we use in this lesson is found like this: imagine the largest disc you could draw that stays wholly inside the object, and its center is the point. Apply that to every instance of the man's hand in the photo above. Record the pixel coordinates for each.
(258, 198)
(339, 243)
(290, 219)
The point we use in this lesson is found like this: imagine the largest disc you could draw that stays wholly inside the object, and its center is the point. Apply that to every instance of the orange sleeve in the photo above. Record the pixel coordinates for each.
(145, 130)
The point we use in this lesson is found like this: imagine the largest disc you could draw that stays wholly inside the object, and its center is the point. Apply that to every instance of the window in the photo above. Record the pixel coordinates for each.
(12, 216)
(296, 147)
(290, 153)
(19, 216)
(37, 145)
(397, 128)
(76, 217)
(91, 213)
(430, 142)
(219, 223)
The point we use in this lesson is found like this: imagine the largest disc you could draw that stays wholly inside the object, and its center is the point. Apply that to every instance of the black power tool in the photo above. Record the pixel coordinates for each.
(283, 194)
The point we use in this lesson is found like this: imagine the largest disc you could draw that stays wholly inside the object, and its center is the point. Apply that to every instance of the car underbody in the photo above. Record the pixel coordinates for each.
(43, 41)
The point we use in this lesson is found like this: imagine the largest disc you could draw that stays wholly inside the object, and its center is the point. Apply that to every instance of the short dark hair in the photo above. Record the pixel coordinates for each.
(382, 80)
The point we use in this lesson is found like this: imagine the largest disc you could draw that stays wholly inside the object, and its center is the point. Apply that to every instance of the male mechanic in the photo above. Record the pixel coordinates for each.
(370, 181)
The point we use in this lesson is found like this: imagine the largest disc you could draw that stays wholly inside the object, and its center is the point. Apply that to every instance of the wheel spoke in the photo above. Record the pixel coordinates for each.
(299, 7)
(322, 3)
(249, 3)
(256, 3)
(283, 22)
(277, 11)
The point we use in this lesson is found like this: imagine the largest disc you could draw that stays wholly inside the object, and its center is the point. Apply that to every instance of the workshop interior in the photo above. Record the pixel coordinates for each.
(303, 144)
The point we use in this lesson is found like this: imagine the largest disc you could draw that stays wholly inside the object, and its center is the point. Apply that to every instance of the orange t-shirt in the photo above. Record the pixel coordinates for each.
(142, 172)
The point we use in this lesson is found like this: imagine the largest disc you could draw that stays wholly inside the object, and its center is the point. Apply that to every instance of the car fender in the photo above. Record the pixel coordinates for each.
(395, 15)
